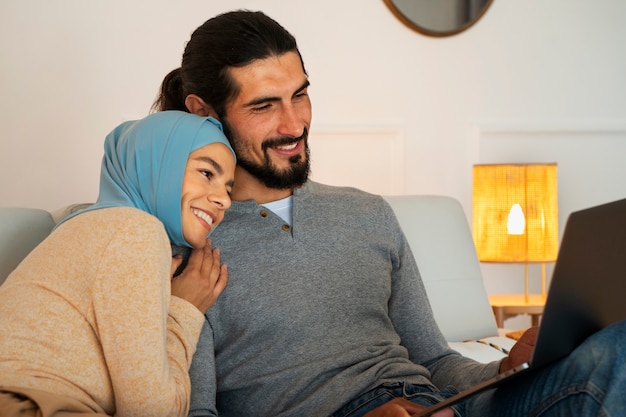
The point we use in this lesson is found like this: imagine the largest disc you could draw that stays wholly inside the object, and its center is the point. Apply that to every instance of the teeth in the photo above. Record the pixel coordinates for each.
(287, 147)
(203, 216)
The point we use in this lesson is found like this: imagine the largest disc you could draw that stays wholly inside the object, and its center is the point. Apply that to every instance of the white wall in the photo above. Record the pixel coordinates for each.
(533, 81)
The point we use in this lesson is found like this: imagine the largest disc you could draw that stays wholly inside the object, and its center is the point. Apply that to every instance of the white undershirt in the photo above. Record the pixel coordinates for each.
(282, 208)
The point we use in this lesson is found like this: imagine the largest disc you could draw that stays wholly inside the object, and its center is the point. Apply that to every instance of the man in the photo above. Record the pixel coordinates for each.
(325, 312)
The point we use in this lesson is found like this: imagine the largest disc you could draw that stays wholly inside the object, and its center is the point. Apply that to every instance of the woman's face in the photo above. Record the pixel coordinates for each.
(207, 184)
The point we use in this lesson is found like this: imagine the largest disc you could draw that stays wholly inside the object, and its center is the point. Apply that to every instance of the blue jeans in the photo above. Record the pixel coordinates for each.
(386, 392)
(591, 381)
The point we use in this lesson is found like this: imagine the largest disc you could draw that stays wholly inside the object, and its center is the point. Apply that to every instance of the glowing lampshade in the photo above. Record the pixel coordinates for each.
(515, 214)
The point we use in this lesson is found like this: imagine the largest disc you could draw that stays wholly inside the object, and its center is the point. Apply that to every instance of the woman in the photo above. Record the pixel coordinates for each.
(87, 322)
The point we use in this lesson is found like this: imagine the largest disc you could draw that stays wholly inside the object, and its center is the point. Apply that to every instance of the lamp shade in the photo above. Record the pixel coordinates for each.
(515, 212)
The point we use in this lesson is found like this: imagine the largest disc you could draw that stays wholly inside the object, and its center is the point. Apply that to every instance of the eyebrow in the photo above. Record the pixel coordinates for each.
(216, 165)
(267, 99)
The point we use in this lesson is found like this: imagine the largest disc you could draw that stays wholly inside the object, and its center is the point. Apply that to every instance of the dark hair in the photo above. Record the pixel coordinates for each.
(232, 39)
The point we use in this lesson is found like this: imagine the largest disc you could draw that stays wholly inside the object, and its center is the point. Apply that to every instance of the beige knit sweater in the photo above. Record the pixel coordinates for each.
(89, 315)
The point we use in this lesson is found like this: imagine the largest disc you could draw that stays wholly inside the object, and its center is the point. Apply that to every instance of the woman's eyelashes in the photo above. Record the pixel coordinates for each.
(207, 173)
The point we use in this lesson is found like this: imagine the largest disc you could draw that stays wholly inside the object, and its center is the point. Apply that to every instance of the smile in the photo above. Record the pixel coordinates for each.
(203, 216)
(287, 147)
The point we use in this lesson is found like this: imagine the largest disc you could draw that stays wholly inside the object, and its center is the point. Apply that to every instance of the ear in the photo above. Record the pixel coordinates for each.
(197, 106)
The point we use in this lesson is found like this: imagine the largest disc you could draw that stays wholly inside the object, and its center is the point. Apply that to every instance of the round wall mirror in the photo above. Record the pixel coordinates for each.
(438, 17)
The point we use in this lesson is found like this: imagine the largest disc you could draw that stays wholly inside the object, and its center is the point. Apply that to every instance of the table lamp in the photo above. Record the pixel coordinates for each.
(515, 215)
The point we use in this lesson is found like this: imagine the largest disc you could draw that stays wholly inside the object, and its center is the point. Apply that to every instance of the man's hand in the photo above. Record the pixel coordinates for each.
(521, 351)
(401, 407)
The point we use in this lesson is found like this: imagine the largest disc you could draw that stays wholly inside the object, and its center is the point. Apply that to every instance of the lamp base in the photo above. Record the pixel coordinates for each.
(543, 283)
(505, 306)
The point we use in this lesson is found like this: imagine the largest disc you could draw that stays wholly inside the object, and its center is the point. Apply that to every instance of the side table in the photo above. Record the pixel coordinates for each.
(505, 306)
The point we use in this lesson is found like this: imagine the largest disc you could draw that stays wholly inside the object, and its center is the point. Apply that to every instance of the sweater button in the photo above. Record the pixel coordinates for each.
(286, 227)
(264, 213)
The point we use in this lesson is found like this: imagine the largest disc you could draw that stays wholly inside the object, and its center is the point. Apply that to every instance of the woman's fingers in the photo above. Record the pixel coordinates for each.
(220, 285)
(198, 256)
(204, 278)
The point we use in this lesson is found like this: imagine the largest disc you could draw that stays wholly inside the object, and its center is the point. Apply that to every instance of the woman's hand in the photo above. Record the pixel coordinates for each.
(401, 407)
(203, 279)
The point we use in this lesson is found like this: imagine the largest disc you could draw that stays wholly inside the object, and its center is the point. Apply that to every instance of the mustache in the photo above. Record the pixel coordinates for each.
(270, 143)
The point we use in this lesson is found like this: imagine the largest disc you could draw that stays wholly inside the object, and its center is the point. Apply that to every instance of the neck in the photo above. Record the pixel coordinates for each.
(248, 187)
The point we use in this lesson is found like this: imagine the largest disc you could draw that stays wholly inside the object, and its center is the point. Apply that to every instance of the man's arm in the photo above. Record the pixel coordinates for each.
(410, 311)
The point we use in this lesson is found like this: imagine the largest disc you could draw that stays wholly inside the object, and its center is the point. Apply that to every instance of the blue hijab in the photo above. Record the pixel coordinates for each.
(144, 164)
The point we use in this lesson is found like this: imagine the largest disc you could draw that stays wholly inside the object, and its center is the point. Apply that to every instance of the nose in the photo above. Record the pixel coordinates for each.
(221, 199)
(291, 123)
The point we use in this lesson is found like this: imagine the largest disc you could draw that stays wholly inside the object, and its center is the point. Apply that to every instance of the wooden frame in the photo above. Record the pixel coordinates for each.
(428, 32)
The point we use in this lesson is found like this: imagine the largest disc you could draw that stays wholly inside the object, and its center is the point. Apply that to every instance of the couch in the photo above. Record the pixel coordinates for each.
(439, 236)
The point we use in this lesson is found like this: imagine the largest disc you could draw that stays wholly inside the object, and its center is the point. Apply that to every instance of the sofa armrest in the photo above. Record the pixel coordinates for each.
(21, 229)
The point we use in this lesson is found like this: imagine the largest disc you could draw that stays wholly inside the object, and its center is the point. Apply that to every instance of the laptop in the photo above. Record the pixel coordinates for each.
(586, 292)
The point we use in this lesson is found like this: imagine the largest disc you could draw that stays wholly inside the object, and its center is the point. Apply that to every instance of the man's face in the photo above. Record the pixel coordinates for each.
(268, 122)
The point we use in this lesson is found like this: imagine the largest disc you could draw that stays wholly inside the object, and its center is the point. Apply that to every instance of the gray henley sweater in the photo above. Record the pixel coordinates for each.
(316, 314)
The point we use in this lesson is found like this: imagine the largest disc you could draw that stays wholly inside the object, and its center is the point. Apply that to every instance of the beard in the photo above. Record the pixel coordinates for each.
(267, 173)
